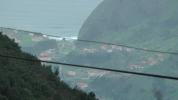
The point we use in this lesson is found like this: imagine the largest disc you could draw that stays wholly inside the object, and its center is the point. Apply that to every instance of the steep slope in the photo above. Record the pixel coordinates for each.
(23, 80)
(148, 24)
(141, 23)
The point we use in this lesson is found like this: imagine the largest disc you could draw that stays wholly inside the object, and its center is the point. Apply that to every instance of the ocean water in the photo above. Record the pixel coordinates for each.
(53, 17)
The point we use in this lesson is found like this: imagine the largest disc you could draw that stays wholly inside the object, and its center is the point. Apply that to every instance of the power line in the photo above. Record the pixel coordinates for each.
(93, 67)
(37, 33)
(126, 46)
(106, 43)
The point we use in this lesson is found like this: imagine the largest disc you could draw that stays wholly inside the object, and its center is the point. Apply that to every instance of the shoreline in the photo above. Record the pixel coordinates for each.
(57, 38)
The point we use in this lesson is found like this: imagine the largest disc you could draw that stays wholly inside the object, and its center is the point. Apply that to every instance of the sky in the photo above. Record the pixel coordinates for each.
(56, 17)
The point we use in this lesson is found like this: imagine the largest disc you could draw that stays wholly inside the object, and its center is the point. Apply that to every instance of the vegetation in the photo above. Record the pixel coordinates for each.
(148, 24)
(23, 80)
(142, 23)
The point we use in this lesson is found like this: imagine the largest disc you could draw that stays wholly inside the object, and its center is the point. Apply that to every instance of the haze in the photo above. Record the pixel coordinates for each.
(59, 17)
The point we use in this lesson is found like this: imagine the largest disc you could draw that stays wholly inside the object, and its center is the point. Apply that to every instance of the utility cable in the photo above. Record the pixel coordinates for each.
(126, 46)
(93, 67)
(105, 43)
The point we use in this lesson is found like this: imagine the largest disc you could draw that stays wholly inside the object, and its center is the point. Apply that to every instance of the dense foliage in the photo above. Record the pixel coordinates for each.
(23, 80)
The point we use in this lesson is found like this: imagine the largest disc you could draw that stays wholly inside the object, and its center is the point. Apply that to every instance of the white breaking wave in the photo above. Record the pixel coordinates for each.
(62, 38)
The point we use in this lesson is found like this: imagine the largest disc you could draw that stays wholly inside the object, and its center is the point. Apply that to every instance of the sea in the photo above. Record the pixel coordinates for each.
(53, 17)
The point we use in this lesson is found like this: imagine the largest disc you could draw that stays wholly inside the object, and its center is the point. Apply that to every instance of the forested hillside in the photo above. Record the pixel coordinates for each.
(23, 80)
(146, 24)
(142, 23)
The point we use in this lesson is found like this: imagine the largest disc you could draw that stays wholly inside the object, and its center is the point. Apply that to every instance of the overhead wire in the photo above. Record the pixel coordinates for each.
(92, 67)
(105, 43)
(100, 68)
(126, 46)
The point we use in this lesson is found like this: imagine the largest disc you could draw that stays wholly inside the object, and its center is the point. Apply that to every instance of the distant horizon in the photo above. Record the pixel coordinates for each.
(62, 17)
(55, 37)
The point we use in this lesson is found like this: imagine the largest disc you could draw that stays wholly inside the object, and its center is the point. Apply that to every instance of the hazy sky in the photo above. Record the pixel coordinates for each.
(49, 16)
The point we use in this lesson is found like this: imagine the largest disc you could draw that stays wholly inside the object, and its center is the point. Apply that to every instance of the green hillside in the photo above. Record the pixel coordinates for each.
(23, 80)
(148, 24)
